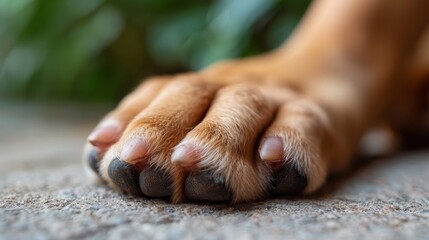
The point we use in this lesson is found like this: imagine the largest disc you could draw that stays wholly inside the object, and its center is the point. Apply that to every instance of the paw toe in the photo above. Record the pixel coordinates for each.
(288, 181)
(125, 176)
(206, 187)
(93, 161)
(154, 183)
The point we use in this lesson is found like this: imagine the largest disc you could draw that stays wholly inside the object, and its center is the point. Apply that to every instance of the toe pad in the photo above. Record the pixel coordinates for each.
(125, 176)
(154, 183)
(206, 187)
(288, 181)
(93, 158)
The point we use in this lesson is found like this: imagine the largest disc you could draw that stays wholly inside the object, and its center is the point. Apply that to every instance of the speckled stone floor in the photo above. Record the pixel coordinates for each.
(44, 194)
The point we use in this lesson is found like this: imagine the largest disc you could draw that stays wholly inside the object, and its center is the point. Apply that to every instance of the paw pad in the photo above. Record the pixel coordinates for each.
(154, 183)
(125, 176)
(93, 161)
(206, 187)
(288, 181)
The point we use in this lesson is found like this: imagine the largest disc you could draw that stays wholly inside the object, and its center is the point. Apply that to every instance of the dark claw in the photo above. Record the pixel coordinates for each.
(93, 159)
(206, 187)
(154, 183)
(125, 176)
(288, 181)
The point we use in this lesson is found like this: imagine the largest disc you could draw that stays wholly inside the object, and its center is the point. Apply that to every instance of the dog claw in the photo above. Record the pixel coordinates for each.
(125, 176)
(206, 187)
(154, 183)
(288, 181)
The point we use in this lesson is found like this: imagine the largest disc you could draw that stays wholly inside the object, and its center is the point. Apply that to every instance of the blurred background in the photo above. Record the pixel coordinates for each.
(98, 50)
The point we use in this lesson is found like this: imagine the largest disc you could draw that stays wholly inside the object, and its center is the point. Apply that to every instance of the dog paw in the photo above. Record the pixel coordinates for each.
(186, 138)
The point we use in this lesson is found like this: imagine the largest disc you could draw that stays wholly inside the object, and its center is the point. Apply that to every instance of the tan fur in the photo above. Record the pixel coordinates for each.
(227, 138)
(319, 93)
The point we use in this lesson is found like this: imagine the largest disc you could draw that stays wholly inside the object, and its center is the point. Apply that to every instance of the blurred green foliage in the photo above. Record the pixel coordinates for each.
(97, 50)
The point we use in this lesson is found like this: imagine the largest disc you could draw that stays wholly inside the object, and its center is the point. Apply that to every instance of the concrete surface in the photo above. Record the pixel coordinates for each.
(45, 194)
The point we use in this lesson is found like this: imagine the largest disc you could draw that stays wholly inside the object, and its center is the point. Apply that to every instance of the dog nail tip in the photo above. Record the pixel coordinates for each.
(134, 150)
(272, 149)
(185, 156)
(104, 135)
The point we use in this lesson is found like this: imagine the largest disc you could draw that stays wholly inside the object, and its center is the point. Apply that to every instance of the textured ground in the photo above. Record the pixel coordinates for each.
(44, 194)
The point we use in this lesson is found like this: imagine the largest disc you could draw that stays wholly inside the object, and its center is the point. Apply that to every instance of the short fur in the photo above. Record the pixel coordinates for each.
(319, 93)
